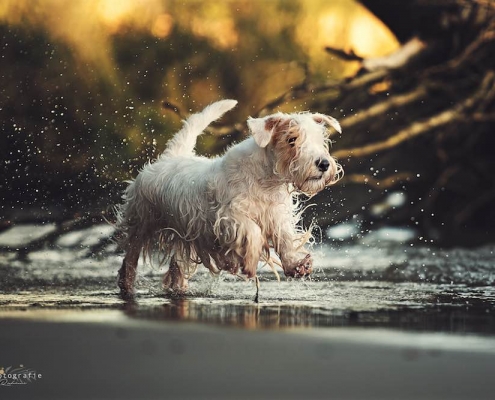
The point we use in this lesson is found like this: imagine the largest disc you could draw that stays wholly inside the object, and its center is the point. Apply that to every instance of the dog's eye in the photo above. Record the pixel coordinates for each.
(291, 141)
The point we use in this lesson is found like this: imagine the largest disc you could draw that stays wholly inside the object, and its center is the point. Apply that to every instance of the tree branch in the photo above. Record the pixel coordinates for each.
(453, 114)
(62, 228)
(371, 181)
(381, 108)
(176, 109)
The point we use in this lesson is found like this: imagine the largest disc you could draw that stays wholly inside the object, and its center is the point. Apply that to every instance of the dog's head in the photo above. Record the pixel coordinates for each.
(299, 143)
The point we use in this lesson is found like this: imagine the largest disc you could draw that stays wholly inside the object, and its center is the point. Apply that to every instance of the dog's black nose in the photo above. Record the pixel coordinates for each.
(323, 164)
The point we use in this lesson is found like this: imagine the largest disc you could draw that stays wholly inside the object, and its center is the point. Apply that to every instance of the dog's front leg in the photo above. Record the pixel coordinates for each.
(239, 234)
(175, 278)
(296, 260)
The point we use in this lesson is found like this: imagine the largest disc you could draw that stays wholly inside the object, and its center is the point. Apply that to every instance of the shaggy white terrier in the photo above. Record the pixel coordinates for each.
(227, 212)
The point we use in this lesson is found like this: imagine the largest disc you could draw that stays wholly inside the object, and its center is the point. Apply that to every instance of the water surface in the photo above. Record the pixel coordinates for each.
(371, 284)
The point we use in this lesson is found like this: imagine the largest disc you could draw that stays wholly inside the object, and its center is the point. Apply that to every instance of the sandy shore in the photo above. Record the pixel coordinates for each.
(107, 355)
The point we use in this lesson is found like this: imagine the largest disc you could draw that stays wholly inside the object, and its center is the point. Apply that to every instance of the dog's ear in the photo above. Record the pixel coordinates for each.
(263, 128)
(326, 119)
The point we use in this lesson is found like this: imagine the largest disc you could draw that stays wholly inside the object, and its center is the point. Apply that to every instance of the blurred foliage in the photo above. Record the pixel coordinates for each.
(83, 81)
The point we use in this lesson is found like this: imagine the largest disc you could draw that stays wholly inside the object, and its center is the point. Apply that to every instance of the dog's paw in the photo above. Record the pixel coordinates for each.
(300, 268)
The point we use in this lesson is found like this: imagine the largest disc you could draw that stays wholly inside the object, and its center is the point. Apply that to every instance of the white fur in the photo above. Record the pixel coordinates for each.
(227, 212)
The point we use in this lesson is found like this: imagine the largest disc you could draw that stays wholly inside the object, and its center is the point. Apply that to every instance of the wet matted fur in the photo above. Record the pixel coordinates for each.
(228, 212)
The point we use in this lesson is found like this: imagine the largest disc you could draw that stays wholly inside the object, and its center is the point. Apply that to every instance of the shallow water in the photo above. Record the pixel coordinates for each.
(379, 318)
(373, 283)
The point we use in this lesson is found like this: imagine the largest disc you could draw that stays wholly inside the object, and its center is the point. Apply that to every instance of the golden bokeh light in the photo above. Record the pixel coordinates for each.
(163, 25)
(113, 12)
(88, 26)
(345, 25)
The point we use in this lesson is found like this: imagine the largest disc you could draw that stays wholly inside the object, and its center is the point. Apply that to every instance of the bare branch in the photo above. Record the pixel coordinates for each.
(473, 206)
(453, 114)
(397, 59)
(377, 183)
(487, 35)
(381, 108)
(394, 60)
(176, 109)
(296, 92)
(62, 228)
(344, 55)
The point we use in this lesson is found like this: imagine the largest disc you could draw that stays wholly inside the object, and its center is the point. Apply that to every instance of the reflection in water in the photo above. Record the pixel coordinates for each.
(475, 319)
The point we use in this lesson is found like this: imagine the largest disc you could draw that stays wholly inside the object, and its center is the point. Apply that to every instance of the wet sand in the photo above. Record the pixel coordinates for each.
(107, 354)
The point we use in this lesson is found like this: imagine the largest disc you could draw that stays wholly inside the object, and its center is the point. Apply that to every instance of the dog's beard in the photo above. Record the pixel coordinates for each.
(315, 183)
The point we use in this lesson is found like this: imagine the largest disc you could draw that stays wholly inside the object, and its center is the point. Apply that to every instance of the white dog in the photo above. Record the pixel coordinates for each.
(227, 212)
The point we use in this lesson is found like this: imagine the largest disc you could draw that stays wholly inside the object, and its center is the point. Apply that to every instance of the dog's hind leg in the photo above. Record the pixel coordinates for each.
(127, 273)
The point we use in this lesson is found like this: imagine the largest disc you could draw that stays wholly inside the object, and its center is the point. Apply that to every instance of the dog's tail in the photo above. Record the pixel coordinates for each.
(184, 141)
